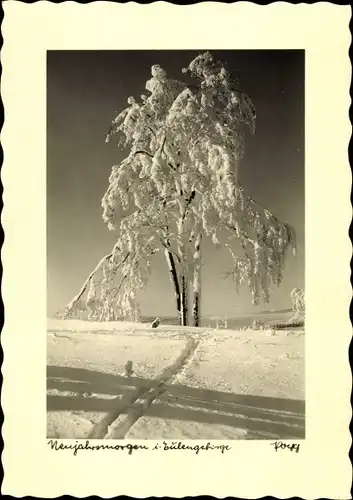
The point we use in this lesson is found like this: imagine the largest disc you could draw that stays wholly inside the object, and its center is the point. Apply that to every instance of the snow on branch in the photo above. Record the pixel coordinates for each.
(179, 181)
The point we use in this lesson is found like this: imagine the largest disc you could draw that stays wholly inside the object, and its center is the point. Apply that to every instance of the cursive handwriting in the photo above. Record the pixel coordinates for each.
(178, 445)
(56, 446)
(279, 445)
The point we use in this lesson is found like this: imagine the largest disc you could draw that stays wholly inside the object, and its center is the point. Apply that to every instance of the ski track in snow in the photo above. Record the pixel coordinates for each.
(132, 414)
(106, 428)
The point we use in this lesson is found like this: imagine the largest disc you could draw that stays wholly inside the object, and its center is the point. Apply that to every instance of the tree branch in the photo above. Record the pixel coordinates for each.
(142, 152)
(187, 204)
(135, 263)
(153, 132)
(152, 156)
(77, 297)
(167, 246)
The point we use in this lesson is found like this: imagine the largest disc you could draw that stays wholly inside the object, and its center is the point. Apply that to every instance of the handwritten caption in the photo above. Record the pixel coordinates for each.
(279, 445)
(55, 445)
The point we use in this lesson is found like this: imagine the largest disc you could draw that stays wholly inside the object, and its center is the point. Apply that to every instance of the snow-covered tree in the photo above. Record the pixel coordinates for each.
(179, 183)
(113, 285)
(298, 301)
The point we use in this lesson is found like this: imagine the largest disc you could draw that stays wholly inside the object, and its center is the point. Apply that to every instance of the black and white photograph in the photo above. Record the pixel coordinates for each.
(176, 214)
(175, 244)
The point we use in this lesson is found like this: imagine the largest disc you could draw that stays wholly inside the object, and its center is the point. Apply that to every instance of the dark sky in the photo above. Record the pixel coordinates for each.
(86, 88)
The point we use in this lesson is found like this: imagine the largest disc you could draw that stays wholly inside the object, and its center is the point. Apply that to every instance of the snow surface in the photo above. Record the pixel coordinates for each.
(187, 383)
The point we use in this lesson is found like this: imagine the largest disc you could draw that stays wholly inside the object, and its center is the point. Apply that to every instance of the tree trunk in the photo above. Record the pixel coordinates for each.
(175, 282)
(184, 300)
(196, 282)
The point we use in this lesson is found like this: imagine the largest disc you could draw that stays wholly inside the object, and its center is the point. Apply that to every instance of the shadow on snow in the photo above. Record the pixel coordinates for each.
(263, 417)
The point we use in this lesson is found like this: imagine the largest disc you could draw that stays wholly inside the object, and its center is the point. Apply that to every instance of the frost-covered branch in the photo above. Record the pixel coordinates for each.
(73, 303)
(180, 182)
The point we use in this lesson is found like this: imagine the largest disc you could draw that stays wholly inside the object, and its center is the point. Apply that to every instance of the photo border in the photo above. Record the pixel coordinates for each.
(250, 469)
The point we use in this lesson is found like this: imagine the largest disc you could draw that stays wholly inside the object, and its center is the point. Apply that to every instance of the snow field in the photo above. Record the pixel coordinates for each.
(188, 383)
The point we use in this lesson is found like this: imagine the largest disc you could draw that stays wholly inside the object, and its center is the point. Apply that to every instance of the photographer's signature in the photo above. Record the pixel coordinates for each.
(280, 445)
